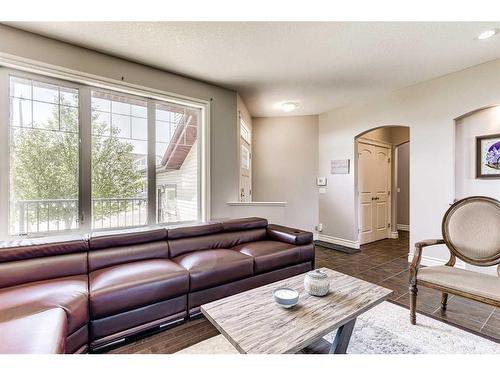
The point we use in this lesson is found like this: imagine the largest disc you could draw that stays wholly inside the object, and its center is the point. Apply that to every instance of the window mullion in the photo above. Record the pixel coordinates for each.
(85, 183)
(152, 199)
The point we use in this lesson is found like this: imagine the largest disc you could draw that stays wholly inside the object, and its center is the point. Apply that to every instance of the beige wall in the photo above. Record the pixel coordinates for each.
(285, 166)
(429, 109)
(223, 107)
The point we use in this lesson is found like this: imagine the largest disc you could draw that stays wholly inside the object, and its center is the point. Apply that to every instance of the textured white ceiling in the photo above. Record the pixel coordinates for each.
(320, 65)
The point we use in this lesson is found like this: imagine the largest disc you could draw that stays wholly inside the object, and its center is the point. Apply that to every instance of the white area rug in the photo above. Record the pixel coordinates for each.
(386, 329)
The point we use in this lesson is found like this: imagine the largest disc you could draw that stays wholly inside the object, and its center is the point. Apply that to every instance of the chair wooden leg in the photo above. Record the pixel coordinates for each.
(444, 301)
(413, 304)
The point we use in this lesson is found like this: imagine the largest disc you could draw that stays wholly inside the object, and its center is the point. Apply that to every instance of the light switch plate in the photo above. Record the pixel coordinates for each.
(321, 181)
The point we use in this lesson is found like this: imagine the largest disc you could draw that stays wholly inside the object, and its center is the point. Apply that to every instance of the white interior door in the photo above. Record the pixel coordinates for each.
(245, 163)
(374, 176)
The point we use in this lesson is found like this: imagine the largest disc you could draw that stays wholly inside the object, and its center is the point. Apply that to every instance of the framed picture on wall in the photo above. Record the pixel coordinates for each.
(488, 156)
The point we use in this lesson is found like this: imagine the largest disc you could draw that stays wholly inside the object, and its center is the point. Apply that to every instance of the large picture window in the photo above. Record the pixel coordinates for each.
(82, 158)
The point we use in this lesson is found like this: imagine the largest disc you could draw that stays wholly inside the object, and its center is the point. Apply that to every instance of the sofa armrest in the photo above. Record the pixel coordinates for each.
(289, 235)
(417, 257)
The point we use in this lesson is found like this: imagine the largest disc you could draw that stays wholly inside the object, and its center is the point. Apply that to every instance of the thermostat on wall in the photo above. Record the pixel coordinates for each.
(321, 181)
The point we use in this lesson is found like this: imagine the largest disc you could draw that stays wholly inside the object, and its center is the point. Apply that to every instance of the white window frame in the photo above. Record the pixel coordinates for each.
(245, 132)
(85, 85)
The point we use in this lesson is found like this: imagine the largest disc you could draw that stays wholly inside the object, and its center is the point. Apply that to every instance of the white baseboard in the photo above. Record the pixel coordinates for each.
(404, 227)
(394, 235)
(431, 261)
(336, 240)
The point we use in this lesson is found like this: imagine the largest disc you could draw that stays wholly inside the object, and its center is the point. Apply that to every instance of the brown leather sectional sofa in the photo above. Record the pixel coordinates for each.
(69, 294)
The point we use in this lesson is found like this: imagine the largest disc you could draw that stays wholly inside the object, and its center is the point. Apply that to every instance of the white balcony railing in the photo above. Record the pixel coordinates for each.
(47, 215)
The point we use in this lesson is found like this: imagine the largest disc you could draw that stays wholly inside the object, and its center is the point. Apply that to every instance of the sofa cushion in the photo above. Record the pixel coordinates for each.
(28, 248)
(68, 293)
(270, 255)
(113, 256)
(475, 283)
(215, 267)
(129, 286)
(42, 332)
(244, 224)
(40, 269)
(126, 237)
(223, 240)
(28, 260)
(196, 230)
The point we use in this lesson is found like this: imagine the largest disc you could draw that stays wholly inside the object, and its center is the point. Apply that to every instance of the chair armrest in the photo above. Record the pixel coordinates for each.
(289, 235)
(417, 257)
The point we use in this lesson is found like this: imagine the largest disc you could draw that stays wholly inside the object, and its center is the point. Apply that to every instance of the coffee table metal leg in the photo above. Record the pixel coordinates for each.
(342, 338)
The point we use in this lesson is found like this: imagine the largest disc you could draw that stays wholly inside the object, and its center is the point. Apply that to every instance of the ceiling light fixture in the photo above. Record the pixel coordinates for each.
(289, 106)
(487, 34)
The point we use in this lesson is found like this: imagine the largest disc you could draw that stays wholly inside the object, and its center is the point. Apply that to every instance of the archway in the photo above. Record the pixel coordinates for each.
(382, 182)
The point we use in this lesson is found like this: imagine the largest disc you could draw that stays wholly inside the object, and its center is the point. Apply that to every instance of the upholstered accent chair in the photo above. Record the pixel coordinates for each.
(471, 231)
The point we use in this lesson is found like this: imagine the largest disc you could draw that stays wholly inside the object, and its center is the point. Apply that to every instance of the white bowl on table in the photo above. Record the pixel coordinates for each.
(286, 297)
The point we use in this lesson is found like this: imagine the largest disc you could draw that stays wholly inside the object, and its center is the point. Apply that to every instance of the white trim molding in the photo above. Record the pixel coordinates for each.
(431, 261)
(394, 235)
(336, 240)
(403, 227)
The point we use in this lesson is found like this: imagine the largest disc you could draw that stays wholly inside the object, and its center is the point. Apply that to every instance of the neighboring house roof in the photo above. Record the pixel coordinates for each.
(182, 140)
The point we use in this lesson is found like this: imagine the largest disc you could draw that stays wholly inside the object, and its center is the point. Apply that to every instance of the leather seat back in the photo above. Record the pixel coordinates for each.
(29, 260)
(124, 246)
(223, 235)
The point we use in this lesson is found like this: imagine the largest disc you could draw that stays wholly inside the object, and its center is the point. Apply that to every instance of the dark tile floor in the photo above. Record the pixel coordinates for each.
(384, 262)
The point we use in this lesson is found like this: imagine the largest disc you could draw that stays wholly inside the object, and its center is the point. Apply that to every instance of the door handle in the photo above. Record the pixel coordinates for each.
(375, 198)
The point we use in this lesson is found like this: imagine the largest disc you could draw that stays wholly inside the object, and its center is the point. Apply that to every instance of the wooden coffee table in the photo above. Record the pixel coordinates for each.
(254, 323)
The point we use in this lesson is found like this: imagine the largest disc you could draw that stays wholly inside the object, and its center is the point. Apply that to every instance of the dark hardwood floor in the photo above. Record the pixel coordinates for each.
(385, 263)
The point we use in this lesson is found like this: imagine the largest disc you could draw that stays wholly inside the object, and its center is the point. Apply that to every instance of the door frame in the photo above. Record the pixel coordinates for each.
(390, 198)
(396, 180)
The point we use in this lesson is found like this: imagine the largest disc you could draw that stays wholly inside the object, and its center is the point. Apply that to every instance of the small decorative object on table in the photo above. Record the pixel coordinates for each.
(286, 297)
(316, 283)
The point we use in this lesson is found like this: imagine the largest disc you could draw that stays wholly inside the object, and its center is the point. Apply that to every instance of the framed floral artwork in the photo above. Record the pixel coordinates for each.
(488, 156)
